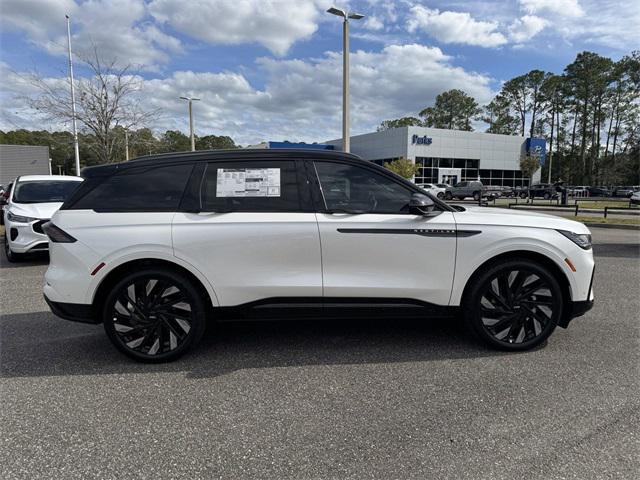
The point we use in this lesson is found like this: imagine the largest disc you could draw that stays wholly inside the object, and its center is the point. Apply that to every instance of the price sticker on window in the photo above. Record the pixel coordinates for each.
(248, 182)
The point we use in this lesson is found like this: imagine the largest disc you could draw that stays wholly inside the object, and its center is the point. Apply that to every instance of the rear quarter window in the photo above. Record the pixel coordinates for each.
(142, 189)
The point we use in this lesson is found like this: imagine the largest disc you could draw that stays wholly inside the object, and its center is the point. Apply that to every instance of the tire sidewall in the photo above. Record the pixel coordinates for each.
(472, 310)
(196, 301)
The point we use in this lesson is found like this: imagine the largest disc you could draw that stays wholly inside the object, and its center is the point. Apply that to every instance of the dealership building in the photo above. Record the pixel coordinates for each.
(451, 156)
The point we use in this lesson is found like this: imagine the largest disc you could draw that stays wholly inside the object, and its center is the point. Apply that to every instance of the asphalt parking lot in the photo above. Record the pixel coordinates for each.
(326, 400)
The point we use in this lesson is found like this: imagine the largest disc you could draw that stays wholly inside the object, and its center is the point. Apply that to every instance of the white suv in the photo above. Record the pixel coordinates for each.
(157, 247)
(32, 201)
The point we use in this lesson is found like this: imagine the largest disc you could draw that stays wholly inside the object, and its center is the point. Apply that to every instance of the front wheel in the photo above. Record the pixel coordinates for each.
(12, 256)
(440, 195)
(547, 196)
(154, 315)
(476, 196)
(513, 305)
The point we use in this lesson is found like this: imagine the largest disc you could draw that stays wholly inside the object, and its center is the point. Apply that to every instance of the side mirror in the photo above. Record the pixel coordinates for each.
(420, 204)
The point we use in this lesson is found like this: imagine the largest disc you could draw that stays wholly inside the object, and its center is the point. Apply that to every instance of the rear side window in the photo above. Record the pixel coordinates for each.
(264, 186)
(143, 189)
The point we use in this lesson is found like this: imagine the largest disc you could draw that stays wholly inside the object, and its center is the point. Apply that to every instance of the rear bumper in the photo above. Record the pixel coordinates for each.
(75, 312)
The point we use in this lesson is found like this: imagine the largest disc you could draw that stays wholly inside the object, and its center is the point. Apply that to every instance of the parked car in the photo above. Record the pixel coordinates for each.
(621, 191)
(537, 190)
(599, 192)
(508, 192)
(32, 202)
(578, 191)
(493, 191)
(158, 247)
(4, 199)
(635, 198)
(433, 189)
(463, 190)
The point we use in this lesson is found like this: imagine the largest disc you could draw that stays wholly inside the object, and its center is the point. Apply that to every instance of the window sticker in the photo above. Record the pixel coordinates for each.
(248, 182)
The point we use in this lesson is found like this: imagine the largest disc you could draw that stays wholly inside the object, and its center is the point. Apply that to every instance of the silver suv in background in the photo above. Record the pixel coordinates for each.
(463, 190)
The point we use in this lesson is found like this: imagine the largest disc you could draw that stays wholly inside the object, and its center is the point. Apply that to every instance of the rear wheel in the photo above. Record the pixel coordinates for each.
(440, 195)
(523, 195)
(514, 305)
(476, 196)
(547, 196)
(154, 315)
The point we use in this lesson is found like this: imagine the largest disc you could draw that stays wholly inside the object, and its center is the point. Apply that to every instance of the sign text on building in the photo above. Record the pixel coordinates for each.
(421, 140)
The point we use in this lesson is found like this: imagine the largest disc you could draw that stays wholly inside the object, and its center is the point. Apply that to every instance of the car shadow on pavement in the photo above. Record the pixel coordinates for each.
(39, 344)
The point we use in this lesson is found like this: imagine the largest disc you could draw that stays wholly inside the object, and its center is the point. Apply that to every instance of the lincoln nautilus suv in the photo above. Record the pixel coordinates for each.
(157, 248)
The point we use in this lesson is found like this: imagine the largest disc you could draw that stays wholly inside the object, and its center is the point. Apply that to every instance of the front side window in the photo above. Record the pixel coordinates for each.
(139, 189)
(43, 191)
(250, 186)
(356, 189)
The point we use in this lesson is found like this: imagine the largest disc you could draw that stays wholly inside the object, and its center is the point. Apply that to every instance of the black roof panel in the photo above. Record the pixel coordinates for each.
(206, 155)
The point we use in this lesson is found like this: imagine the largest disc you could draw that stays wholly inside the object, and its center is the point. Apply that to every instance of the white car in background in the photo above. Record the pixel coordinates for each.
(435, 190)
(32, 202)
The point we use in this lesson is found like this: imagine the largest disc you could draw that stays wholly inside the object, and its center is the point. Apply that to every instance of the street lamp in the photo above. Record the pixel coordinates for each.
(193, 139)
(345, 71)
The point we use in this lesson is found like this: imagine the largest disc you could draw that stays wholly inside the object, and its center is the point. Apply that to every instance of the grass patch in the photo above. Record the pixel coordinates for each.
(608, 221)
(602, 204)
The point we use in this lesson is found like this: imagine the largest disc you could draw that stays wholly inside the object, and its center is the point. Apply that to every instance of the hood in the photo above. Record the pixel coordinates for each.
(516, 218)
(35, 210)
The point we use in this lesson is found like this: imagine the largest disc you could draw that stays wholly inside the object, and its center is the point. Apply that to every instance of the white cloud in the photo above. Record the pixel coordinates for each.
(301, 99)
(565, 8)
(455, 27)
(118, 28)
(526, 27)
(373, 23)
(276, 24)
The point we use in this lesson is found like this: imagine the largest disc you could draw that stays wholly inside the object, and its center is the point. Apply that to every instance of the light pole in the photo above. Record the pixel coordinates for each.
(73, 100)
(193, 138)
(346, 141)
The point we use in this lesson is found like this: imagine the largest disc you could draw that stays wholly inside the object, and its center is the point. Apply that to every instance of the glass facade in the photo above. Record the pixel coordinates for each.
(428, 172)
(470, 169)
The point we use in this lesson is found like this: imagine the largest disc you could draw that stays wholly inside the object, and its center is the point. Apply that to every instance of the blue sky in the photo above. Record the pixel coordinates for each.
(270, 69)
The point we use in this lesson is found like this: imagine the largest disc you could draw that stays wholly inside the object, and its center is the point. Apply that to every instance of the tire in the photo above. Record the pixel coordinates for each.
(448, 196)
(148, 328)
(440, 195)
(476, 196)
(513, 305)
(547, 196)
(12, 256)
(523, 195)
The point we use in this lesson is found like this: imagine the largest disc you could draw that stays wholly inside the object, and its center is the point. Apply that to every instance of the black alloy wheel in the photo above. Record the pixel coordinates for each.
(154, 315)
(514, 305)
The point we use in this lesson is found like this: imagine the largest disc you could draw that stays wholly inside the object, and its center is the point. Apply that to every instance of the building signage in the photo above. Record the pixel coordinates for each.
(421, 140)
(537, 147)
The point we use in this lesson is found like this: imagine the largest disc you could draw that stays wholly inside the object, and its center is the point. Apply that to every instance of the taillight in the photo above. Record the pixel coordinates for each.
(56, 234)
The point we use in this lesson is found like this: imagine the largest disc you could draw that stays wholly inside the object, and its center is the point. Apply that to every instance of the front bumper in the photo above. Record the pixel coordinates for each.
(75, 312)
(26, 237)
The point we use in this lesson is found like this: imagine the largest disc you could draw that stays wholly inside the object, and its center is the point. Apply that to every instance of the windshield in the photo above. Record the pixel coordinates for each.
(43, 191)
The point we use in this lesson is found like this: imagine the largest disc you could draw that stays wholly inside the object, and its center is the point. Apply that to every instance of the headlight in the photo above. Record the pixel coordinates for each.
(19, 218)
(583, 240)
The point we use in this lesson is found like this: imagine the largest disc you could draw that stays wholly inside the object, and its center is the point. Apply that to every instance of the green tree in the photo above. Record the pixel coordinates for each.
(498, 115)
(403, 167)
(174, 141)
(214, 142)
(453, 110)
(529, 164)
(399, 122)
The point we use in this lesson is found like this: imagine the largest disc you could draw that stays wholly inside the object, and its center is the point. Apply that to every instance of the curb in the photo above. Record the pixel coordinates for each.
(613, 225)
